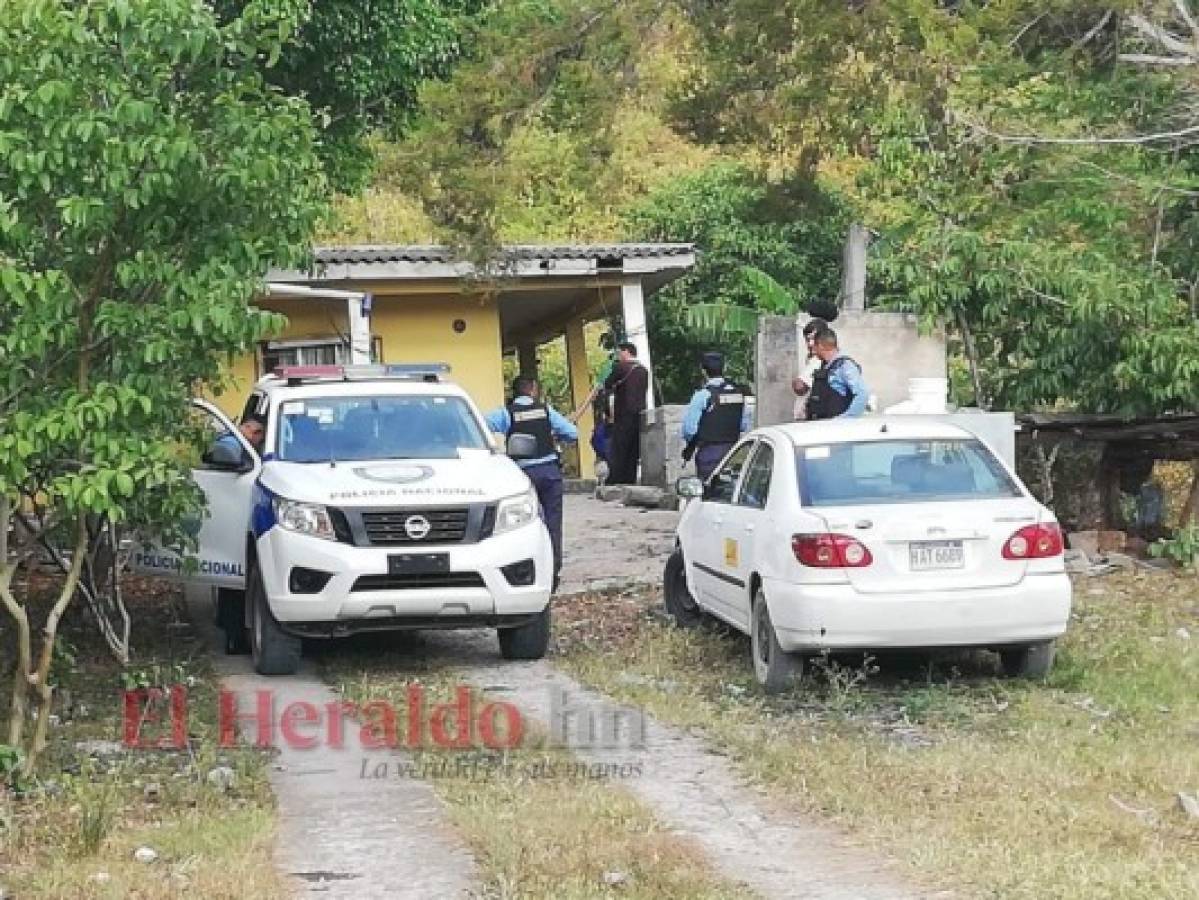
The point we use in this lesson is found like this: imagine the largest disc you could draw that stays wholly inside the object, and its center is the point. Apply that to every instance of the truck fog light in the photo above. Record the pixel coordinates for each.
(520, 574)
(307, 581)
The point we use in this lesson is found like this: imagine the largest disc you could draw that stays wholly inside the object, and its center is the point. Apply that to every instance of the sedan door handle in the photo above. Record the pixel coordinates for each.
(749, 528)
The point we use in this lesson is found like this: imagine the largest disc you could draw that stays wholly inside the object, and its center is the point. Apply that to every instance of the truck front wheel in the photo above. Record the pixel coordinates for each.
(275, 651)
(528, 641)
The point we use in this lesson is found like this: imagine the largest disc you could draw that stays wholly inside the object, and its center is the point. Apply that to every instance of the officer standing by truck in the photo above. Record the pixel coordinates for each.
(526, 414)
(715, 418)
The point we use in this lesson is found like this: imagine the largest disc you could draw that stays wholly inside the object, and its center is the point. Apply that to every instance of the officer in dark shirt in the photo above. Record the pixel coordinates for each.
(715, 418)
(628, 386)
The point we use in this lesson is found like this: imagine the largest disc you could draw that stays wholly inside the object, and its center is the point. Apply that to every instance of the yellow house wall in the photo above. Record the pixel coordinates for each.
(306, 318)
(420, 328)
(412, 328)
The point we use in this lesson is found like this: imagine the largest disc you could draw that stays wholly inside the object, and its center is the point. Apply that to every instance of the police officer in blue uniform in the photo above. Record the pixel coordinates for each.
(838, 388)
(526, 414)
(715, 418)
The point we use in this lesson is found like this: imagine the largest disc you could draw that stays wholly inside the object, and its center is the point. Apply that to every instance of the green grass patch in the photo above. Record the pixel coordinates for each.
(74, 829)
(996, 787)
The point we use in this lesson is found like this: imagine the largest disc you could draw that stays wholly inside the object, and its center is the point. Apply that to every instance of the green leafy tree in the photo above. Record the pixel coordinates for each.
(148, 178)
(359, 64)
(1029, 165)
(764, 248)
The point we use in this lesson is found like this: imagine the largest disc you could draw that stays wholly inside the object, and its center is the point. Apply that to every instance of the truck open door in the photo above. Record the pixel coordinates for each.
(226, 473)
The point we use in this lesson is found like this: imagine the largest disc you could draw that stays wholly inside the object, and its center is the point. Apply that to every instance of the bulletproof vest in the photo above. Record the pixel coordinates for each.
(720, 422)
(533, 419)
(823, 401)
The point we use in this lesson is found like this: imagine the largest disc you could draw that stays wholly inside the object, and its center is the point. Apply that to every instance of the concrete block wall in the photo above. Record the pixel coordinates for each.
(662, 445)
(888, 346)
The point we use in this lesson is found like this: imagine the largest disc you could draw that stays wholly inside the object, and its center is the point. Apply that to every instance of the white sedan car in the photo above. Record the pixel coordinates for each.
(869, 533)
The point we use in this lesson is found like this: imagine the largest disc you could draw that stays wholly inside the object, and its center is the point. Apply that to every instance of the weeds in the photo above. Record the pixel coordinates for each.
(843, 683)
(96, 801)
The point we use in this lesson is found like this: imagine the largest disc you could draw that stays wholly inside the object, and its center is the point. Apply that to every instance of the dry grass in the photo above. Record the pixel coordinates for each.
(538, 826)
(74, 830)
(996, 787)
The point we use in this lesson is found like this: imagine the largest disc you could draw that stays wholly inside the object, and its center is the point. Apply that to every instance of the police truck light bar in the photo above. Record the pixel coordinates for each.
(406, 371)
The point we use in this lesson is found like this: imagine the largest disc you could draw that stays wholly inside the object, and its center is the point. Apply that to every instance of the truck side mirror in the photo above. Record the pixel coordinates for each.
(522, 446)
(689, 487)
(228, 457)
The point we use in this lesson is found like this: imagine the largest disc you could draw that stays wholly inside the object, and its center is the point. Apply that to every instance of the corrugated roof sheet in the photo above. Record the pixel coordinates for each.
(440, 254)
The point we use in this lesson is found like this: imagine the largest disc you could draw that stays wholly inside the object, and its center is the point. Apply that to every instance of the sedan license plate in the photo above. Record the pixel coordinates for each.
(925, 556)
(417, 563)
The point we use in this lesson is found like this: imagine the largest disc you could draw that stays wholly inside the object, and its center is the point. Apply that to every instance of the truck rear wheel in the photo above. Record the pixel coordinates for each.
(231, 619)
(528, 641)
(275, 651)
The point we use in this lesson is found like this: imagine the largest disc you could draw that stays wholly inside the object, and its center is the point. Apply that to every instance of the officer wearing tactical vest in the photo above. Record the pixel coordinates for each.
(526, 414)
(838, 389)
(715, 418)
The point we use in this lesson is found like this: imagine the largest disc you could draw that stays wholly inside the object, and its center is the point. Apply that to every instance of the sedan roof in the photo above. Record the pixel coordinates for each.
(868, 428)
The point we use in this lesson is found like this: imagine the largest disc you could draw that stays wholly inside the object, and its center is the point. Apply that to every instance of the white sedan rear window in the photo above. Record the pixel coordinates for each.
(900, 471)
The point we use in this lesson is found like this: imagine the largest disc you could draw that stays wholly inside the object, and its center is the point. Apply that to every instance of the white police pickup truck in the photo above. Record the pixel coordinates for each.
(379, 501)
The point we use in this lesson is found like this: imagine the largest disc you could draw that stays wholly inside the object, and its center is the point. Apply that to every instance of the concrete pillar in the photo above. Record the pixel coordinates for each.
(580, 390)
(853, 275)
(526, 359)
(358, 316)
(632, 307)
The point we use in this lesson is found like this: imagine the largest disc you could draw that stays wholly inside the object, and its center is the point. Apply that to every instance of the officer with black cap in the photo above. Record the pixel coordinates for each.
(715, 418)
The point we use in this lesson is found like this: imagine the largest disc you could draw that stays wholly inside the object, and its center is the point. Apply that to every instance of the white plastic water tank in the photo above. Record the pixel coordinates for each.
(929, 395)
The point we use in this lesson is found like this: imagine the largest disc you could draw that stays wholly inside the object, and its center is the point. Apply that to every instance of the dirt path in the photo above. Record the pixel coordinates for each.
(689, 788)
(341, 835)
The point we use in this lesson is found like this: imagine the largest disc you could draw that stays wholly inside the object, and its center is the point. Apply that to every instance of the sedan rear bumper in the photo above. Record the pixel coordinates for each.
(835, 616)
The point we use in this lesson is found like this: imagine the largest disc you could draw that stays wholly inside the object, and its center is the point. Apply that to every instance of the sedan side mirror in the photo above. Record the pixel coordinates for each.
(689, 487)
(522, 446)
(228, 456)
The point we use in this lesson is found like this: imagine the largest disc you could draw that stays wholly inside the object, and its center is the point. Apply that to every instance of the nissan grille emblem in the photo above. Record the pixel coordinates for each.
(417, 527)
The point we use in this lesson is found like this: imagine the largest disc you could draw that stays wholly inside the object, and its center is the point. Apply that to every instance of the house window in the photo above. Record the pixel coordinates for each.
(331, 351)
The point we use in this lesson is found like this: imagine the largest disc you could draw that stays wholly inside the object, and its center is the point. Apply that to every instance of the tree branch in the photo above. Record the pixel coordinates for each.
(1123, 140)
(1185, 14)
(1159, 35)
(1090, 35)
(1023, 31)
(1148, 59)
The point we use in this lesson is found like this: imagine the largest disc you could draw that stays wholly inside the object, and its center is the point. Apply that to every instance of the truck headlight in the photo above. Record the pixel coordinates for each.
(304, 518)
(516, 511)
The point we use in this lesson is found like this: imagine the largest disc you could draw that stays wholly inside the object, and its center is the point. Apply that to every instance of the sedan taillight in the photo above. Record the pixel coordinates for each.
(830, 551)
(1034, 542)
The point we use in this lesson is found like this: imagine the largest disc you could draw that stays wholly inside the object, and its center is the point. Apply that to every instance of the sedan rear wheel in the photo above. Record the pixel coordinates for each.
(677, 597)
(775, 669)
(1029, 661)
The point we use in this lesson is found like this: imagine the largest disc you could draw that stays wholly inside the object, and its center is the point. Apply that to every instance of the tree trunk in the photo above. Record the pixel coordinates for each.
(980, 399)
(41, 678)
(20, 682)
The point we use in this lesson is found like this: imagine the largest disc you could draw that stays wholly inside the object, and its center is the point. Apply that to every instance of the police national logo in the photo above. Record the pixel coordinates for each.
(406, 474)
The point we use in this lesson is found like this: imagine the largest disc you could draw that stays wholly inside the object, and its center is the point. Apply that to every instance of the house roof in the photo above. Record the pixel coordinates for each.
(366, 253)
(537, 286)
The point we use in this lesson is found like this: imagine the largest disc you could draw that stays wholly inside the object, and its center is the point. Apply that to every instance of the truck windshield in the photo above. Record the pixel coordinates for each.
(353, 428)
(900, 471)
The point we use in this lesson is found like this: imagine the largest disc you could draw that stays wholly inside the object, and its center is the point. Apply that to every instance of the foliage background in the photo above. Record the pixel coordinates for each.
(758, 129)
